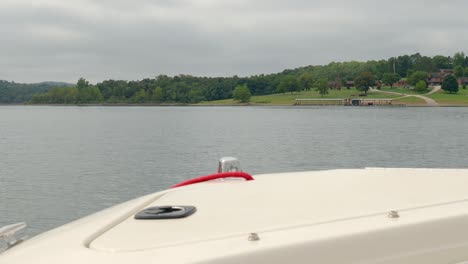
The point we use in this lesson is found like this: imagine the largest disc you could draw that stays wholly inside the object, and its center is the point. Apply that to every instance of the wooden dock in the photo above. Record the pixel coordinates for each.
(347, 101)
(322, 101)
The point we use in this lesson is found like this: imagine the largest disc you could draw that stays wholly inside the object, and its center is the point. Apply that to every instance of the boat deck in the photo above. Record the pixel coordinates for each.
(372, 215)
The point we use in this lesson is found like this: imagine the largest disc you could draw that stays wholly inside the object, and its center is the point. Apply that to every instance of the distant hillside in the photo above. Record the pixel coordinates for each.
(183, 89)
(11, 92)
(57, 84)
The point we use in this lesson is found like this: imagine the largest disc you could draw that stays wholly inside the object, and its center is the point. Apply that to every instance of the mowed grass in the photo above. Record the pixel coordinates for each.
(404, 90)
(460, 98)
(290, 99)
(445, 98)
(410, 100)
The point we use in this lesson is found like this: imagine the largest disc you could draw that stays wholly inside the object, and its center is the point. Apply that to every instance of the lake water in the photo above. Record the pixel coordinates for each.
(58, 164)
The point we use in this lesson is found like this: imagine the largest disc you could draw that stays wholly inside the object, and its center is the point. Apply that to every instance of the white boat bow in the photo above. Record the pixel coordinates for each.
(373, 215)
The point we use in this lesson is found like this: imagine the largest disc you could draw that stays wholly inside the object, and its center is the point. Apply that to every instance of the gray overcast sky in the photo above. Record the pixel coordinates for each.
(62, 40)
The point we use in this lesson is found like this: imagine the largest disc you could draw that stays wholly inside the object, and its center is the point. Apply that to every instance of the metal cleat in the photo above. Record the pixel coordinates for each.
(8, 235)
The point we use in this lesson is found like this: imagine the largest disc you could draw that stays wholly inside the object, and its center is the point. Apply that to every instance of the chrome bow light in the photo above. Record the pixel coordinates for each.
(229, 164)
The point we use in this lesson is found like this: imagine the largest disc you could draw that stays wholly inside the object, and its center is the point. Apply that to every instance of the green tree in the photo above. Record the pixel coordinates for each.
(195, 96)
(71, 96)
(390, 78)
(459, 71)
(422, 63)
(89, 94)
(364, 81)
(403, 65)
(306, 80)
(442, 62)
(459, 59)
(158, 94)
(82, 83)
(450, 84)
(242, 93)
(417, 76)
(280, 89)
(321, 86)
(140, 96)
(289, 84)
(421, 86)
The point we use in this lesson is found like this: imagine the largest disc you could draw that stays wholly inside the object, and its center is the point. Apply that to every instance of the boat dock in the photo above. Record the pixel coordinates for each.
(345, 102)
(322, 101)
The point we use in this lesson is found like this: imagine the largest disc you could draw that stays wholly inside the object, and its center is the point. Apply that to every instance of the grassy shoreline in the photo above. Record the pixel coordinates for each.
(287, 99)
(398, 103)
(407, 98)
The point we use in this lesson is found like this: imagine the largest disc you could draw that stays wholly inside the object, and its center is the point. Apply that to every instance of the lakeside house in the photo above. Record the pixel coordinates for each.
(336, 84)
(447, 71)
(437, 78)
(463, 81)
(349, 84)
(401, 83)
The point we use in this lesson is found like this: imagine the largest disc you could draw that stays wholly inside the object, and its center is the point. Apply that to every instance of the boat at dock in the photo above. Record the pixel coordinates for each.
(370, 215)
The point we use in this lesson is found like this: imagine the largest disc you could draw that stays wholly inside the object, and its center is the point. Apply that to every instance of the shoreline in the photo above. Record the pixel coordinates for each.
(231, 105)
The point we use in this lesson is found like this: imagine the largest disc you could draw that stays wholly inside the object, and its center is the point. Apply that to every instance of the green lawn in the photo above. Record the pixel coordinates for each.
(403, 90)
(445, 98)
(411, 100)
(289, 99)
(461, 98)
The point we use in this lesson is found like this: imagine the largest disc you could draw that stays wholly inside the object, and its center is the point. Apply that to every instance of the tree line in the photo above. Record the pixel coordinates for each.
(11, 92)
(192, 89)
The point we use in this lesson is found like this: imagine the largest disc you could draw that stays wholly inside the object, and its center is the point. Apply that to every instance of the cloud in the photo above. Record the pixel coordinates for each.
(63, 40)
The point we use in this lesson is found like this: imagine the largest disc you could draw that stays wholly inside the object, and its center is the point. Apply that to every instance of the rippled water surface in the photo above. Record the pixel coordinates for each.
(61, 163)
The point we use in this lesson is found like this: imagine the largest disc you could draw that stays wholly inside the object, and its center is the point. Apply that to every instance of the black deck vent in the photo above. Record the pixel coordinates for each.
(166, 212)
